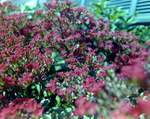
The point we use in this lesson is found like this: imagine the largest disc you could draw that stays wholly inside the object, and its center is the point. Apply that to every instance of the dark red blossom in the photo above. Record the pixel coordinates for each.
(39, 11)
(51, 87)
(9, 80)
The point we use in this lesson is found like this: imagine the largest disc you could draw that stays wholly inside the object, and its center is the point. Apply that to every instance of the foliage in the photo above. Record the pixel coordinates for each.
(141, 30)
(120, 19)
(42, 76)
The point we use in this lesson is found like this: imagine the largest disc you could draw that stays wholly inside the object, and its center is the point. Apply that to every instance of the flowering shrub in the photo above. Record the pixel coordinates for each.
(65, 63)
(26, 109)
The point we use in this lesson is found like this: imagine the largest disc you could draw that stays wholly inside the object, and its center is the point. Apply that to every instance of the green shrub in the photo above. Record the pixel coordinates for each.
(120, 20)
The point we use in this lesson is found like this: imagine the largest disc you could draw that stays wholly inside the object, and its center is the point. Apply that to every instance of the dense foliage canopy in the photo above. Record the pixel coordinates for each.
(64, 63)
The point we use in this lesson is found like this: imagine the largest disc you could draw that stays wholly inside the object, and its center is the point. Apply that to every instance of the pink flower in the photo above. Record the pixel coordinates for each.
(84, 106)
(22, 107)
(28, 78)
(9, 80)
(143, 105)
(51, 87)
(123, 109)
(97, 87)
(135, 71)
(1, 71)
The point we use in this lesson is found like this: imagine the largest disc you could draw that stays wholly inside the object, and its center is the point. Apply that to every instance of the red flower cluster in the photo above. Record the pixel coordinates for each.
(22, 108)
(65, 52)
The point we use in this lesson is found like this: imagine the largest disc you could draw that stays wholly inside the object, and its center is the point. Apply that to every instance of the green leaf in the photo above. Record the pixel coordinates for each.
(112, 17)
(1, 82)
(123, 20)
(27, 8)
(38, 88)
(97, 11)
(58, 101)
(120, 14)
(102, 6)
(44, 92)
(130, 20)
(97, 5)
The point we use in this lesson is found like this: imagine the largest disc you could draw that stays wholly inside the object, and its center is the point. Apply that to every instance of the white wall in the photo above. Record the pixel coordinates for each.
(18, 2)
